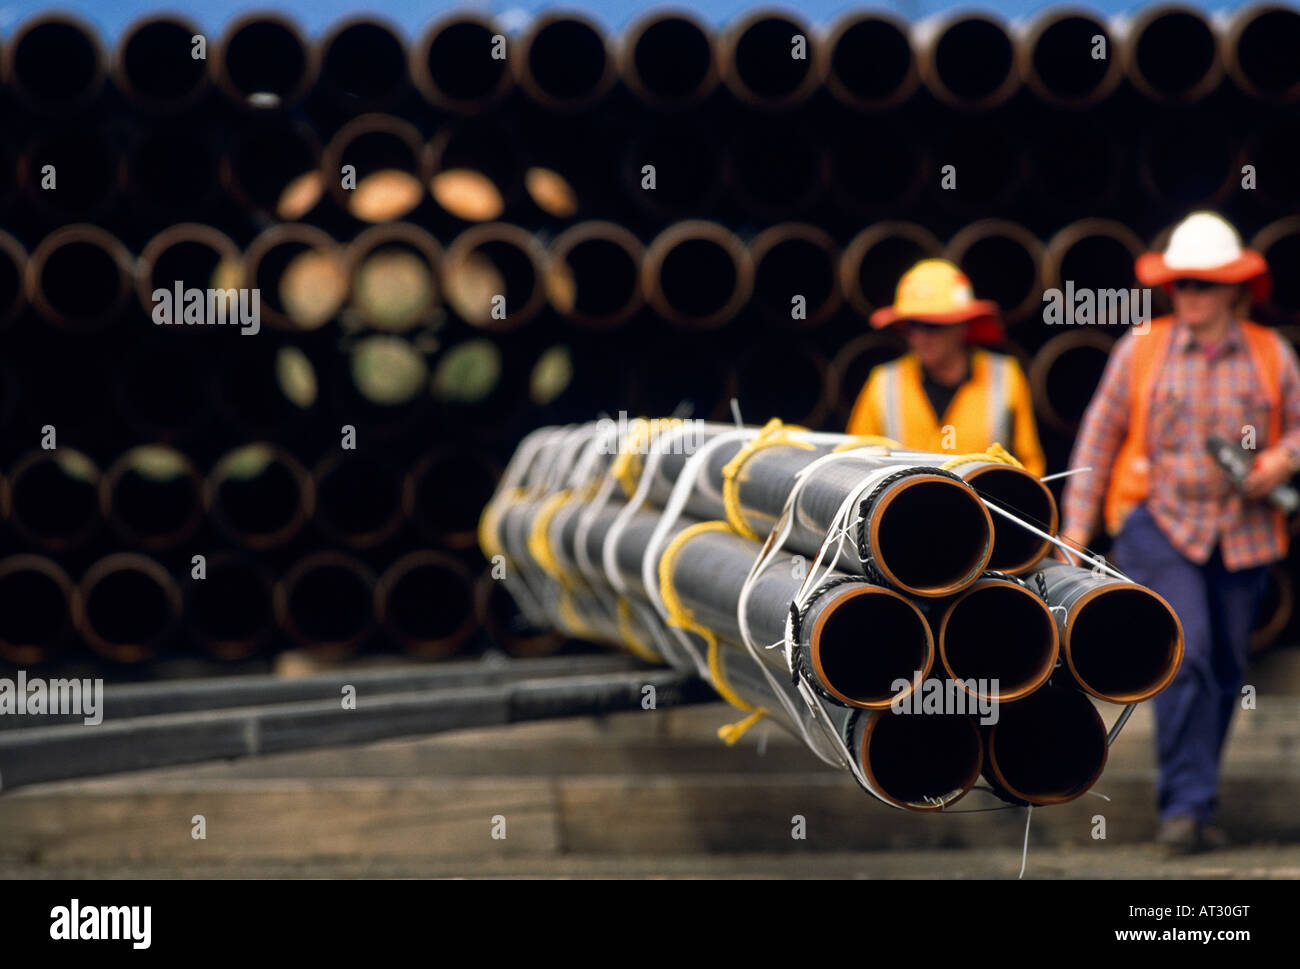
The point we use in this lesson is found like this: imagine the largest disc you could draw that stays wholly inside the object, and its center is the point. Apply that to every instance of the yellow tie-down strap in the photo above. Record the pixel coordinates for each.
(680, 617)
(489, 523)
(631, 638)
(539, 538)
(773, 434)
(996, 453)
(627, 466)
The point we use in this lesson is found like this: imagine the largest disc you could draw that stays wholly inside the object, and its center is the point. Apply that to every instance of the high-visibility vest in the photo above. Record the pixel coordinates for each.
(894, 404)
(1130, 477)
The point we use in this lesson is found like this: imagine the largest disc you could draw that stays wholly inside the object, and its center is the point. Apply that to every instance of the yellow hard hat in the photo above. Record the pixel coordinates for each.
(936, 291)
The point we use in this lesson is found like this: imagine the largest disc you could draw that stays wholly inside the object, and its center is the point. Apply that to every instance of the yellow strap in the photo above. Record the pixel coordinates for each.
(866, 440)
(626, 467)
(489, 523)
(627, 629)
(539, 539)
(577, 625)
(773, 434)
(680, 617)
(996, 453)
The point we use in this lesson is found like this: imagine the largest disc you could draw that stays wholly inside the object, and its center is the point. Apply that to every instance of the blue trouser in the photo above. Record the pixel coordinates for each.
(1217, 609)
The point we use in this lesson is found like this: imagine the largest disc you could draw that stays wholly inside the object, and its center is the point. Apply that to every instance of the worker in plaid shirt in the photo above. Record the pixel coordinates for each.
(1181, 526)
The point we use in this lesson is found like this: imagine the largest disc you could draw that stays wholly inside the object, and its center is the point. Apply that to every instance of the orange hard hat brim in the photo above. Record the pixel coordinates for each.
(982, 315)
(1250, 268)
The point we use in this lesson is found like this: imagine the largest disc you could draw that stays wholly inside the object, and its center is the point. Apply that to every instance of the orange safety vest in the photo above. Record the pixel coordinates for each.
(1130, 477)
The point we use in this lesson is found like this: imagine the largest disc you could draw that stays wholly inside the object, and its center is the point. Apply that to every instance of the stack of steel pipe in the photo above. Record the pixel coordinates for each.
(894, 609)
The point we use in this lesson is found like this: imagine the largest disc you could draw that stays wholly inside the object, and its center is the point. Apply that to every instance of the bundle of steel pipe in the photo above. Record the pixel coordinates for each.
(841, 586)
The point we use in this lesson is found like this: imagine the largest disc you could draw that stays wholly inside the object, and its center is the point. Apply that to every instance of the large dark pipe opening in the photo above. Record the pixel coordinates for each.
(929, 535)
(922, 762)
(973, 63)
(494, 276)
(697, 274)
(795, 261)
(478, 171)
(669, 60)
(274, 169)
(358, 499)
(759, 65)
(871, 62)
(1093, 254)
(1004, 263)
(79, 277)
(1261, 51)
(230, 610)
(386, 156)
(53, 498)
(263, 61)
(325, 603)
(1015, 549)
(36, 608)
(594, 275)
(876, 259)
(156, 67)
(153, 496)
(363, 64)
(196, 256)
(131, 607)
(1065, 373)
(426, 601)
(1048, 748)
(260, 495)
(453, 64)
(865, 641)
(1182, 166)
(1124, 644)
(999, 631)
(1174, 54)
(566, 63)
(445, 493)
(1060, 65)
(54, 63)
(299, 273)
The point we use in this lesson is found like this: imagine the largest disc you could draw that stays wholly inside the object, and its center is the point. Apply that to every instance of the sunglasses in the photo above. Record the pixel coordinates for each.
(907, 326)
(1194, 285)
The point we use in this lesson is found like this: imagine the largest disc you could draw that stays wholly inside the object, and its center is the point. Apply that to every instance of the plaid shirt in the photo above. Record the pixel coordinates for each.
(1196, 394)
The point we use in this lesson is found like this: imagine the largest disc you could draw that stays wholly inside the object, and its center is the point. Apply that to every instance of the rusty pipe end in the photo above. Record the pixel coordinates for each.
(1049, 748)
(1015, 549)
(864, 640)
(919, 762)
(1123, 642)
(928, 534)
(999, 630)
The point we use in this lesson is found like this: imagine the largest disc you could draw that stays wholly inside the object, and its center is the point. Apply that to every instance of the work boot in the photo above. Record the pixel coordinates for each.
(1214, 837)
(1180, 836)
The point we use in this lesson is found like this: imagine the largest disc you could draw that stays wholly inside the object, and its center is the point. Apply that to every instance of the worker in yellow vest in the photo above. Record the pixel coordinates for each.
(1181, 525)
(948, 393)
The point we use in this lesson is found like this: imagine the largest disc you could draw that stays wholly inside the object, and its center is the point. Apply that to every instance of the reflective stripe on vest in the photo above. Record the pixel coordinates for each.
(893, 404)
(999, 413)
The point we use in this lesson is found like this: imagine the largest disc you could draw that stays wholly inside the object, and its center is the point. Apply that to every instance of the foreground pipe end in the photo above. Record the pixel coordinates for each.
(920, 762)
(1015, 549)
(866, 639)
(1123, 643)
(999, 630)
(929, 534)
(1049, 748)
